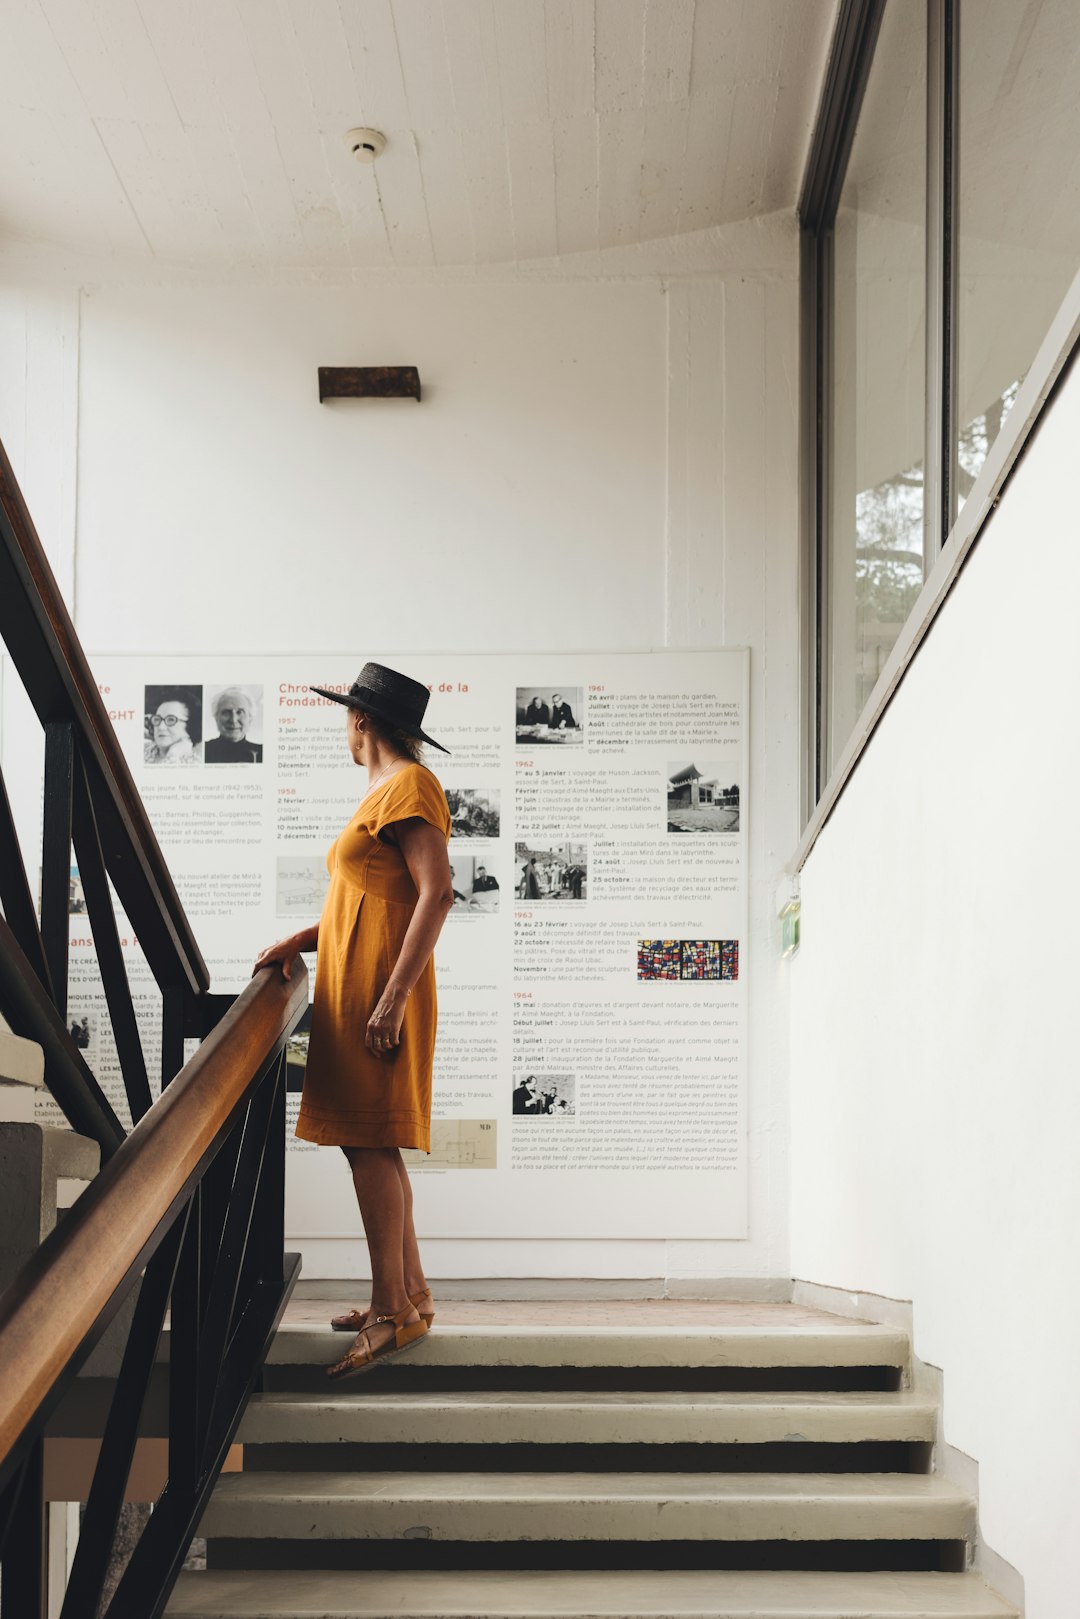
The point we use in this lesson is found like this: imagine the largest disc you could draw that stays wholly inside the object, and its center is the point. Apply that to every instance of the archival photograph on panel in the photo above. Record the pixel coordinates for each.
(234, 724)
(552, 871)
(302, 881)
(474, 811)
(76, 897)
(543, 1095)
(476, 887)
(701, 797)
(549, 716)
(296, 1053)
(172, 727)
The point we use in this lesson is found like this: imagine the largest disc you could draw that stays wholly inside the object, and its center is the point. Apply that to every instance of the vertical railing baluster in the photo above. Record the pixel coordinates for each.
(110, 954)
(269, 1221)
(56, 854)
(16, 898)
(185, 1341)
(172, 1033)
(98, 1533)
(24, 1586)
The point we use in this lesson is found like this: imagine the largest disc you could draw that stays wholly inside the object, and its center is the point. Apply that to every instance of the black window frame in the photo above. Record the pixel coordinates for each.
(851, 57)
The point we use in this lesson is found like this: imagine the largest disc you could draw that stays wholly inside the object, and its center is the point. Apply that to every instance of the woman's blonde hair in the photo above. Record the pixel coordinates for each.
(410, 746)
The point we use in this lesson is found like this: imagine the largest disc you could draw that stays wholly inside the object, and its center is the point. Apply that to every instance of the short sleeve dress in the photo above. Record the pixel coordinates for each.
(352, 1098)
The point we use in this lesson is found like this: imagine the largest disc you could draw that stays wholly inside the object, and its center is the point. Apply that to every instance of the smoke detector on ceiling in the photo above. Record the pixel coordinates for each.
(365, 144)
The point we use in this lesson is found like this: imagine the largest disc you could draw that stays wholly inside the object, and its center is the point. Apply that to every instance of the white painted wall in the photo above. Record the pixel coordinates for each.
(603, 463)
(935, 1108)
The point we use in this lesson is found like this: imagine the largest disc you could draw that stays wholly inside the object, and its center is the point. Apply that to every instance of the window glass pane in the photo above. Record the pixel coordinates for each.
(874, 519)
(1019, 202)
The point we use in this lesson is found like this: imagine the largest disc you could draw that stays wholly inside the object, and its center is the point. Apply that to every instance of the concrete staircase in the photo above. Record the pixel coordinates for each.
(741, 1473)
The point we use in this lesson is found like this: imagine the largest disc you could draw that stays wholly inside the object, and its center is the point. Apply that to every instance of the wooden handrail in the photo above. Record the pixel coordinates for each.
(45, 649)
(83, 1268)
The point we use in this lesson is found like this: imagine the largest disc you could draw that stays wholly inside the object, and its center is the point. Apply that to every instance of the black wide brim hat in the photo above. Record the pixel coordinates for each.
(388, 696)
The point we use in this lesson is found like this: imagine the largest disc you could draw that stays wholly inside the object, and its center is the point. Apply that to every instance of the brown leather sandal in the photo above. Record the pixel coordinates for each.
(361, 1357)
(356, 1320)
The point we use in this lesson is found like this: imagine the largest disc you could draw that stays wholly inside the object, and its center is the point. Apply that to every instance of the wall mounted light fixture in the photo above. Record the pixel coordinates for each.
(369, 382)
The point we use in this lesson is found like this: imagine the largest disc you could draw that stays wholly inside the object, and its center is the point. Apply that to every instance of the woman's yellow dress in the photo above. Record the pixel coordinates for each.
(352, 1098)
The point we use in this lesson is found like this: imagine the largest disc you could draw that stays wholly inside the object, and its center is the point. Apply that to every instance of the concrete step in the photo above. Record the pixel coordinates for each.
(586, 1594)
(487, 1507)
(512, 1417)
(848, 1343)
(22, 1077)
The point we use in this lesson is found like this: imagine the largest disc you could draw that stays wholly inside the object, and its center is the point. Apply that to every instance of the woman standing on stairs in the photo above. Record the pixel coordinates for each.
(367, 1085)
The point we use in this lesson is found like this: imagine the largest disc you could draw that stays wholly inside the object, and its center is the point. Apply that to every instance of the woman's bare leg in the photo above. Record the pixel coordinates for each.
(382, 1209)
(412, 1267)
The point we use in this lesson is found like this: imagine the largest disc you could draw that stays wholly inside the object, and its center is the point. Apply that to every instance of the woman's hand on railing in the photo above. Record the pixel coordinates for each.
(285, 952)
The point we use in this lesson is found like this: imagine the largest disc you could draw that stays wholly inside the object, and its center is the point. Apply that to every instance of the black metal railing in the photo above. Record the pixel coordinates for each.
(188, 1207)
(193, 1202)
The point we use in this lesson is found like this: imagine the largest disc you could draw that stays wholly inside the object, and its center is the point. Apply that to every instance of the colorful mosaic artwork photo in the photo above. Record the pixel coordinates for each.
(659, 958)
(701, 958)
(716, 959)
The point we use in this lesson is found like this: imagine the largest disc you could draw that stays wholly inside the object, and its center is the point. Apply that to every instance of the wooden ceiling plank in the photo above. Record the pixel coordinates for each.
(425, 69)
(322, 46)
(576, 183)
(214, 159)
(143, 181)
(667, 50)
(621, 148)
(252, 139)
(708, 144)
(570, 49)
(488, 181)
(82, 32)
(472, 56)
(521, 41)
(288, 94)
(180, 46)
(404, 202)
(134, 61)
(620, 42)
(714, 55)
(531, 156)
(375, 63)
(744, 176)
(63, 188)
(191, 227)
(663, 163)
(442, 169)
(230, 65)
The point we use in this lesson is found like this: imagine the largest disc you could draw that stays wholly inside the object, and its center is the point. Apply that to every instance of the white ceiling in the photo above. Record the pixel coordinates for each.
(209, 133)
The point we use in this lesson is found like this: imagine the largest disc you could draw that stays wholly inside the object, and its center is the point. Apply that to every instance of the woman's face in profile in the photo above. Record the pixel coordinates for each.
(170, 722)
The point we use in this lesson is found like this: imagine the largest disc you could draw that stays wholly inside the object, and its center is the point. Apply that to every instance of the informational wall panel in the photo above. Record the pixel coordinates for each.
(590, 1075)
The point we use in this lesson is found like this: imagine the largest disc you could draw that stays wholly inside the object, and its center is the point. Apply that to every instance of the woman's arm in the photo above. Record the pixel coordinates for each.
(284, 953)
(424, 849)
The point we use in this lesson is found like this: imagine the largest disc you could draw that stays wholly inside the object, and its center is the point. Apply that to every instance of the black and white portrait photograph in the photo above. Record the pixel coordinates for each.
(82, 1027)
(535, 1095)
(172, 728)
(546, 715)
(552, 871)
(474, 811)
(701, 797)
(475, 884)
(234, 725)
(302, 881)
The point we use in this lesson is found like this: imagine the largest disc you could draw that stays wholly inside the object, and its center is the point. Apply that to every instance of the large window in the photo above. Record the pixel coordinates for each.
(878, 371)
(940, 218)
(1018, 205)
